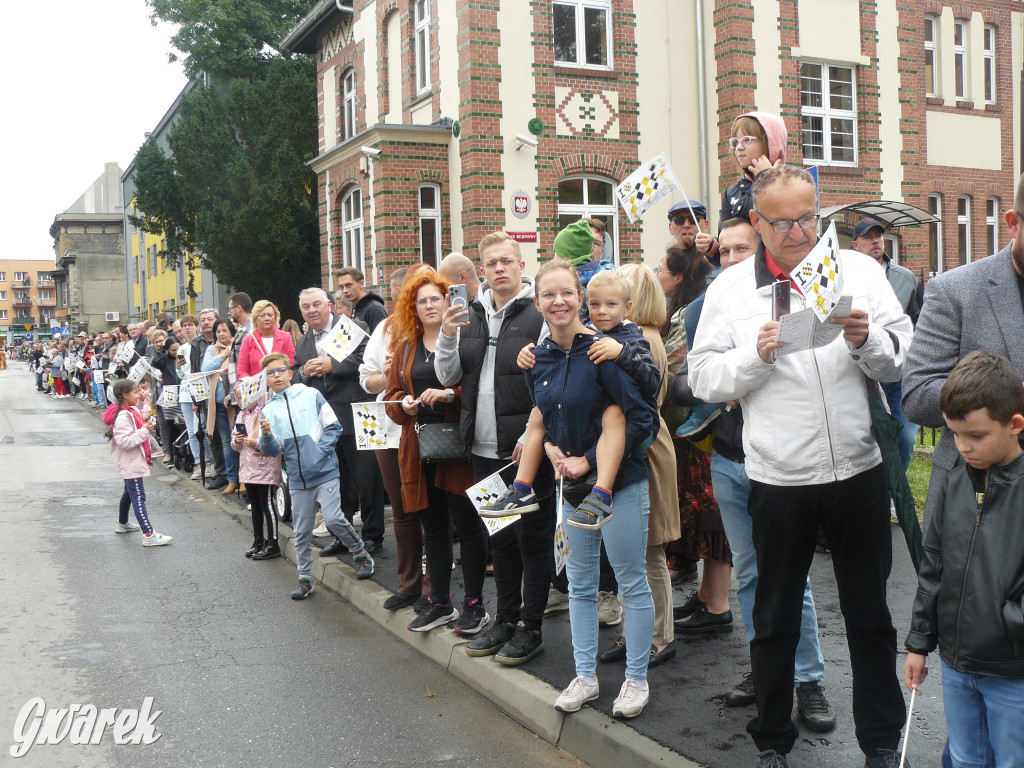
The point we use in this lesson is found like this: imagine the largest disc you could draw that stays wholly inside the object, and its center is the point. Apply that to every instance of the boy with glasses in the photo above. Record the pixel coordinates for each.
(298, 421)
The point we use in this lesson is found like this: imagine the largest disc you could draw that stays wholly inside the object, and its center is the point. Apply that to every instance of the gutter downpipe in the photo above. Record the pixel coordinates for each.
(702, 107)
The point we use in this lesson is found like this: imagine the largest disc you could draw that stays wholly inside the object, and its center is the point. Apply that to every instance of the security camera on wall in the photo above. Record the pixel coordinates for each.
(525, 141)
(370, 152)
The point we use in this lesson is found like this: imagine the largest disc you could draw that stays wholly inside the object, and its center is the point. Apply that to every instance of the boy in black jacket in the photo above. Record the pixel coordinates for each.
(970, 587)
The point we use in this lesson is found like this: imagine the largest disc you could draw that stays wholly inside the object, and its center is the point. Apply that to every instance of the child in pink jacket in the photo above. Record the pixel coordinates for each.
(261, 475)
(129, 445)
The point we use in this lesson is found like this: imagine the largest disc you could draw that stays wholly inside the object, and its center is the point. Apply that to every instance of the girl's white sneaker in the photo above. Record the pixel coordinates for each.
(156, 540)
(632, 698)
(128, 527)
(578, 693)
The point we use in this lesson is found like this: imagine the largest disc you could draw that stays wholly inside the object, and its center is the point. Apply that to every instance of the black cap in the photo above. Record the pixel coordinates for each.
(866, 225)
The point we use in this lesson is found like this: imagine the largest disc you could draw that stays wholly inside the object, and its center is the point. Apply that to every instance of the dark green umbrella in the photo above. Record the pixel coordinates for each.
(886, 428)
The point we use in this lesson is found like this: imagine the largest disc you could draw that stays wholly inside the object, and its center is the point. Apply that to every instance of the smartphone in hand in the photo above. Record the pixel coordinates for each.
(458, 296)
(781, 290)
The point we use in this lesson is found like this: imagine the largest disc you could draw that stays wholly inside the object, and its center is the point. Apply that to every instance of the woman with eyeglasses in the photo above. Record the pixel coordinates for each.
(436, 492)
(683, 276)
(758, 142)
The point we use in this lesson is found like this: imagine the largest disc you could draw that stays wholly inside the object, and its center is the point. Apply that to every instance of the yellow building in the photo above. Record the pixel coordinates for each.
(157, 287)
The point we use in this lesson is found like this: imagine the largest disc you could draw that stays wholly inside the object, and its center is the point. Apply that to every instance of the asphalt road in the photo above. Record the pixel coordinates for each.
(242, 675)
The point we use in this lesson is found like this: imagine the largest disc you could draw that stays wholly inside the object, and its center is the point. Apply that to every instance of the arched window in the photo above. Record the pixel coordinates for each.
(590, 197)
(352, 229)
(348, 104)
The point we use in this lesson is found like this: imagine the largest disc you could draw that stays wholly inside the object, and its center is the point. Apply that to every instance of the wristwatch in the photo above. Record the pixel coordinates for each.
(451, 395)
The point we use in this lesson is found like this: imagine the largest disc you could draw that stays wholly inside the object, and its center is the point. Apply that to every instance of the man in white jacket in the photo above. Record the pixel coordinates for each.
(812, 460)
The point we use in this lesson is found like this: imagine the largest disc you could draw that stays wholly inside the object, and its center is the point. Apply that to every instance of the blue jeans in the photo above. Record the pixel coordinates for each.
(732, 489)
(625, 541)
(134, 497)
(191, 425)
(908, 437)
(224, 429)
(984, 719)
(98, 394)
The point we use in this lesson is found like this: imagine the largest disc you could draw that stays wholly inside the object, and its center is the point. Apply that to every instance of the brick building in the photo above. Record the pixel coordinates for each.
(425, 104)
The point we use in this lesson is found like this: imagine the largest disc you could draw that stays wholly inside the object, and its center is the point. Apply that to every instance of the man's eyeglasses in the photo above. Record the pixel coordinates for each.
(508, 261)
(782, 226)
(567, 295)
(277, 371)
(742, 141)
(430, 301)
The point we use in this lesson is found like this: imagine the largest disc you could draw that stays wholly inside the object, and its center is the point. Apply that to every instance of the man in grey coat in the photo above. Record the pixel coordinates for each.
(976, 306)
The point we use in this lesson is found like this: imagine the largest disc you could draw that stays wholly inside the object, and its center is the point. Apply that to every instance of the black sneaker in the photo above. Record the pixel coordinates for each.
(591, 514)
(511, 502)
(743, 694)
(885, 758)
(491, 641)
(436, 615)
(473, 618)
(304, 590)
(813, 709)
(421, 604)
(524, 645)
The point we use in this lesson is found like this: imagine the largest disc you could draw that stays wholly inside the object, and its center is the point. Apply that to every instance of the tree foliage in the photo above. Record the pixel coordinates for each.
(232, 183)
(228, 38)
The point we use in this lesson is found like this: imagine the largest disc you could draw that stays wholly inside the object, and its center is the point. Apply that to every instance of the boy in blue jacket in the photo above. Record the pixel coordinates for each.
(298, 421)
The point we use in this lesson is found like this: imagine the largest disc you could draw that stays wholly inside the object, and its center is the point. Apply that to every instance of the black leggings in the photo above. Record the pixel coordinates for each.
(442, 509)
(262, 509)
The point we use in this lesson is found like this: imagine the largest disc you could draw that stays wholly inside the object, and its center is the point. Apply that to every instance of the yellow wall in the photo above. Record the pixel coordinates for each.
(161, 287)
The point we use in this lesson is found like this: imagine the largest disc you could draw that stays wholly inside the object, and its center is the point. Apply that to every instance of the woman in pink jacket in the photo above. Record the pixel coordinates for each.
(266, 337)
(129, 445)
(260, 474)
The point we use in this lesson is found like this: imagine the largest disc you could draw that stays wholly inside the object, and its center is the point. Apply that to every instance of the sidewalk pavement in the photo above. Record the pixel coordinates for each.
(686, 723)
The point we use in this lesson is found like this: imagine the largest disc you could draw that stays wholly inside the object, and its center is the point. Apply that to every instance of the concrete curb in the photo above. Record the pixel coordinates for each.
(594, 738)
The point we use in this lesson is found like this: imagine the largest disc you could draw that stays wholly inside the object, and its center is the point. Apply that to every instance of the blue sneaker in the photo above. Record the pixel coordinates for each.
(701, 417)
(364, 565)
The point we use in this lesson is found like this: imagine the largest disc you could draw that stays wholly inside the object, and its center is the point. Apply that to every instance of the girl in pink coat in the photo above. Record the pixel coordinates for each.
(129, 445)
(261, 474)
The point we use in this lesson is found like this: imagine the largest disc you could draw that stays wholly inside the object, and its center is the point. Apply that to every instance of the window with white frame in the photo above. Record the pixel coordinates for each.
(589, 197)
(430, 224)
(931, 69)
(422, 44)
(20, 276)
(935, 235)
(348, 104)
(828, 113)
(352, 244)
(3, 295)
(963, 229)
(992, 225)
(582, 33)
(989, 50)
(3, 277)
(3, 314)
(152, 259)
(960, 60)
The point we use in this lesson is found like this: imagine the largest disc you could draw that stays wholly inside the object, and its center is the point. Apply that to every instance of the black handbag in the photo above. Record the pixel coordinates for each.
(438, 442)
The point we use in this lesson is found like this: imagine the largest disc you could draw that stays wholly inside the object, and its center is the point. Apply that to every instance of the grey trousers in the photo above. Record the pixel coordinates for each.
(304, 503)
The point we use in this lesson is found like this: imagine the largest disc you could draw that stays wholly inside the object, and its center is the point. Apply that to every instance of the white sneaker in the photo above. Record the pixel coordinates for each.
(197, 473)
(633, 697)
(156, 540)
(128, 527)
(557, 601)
(577, 694)
(609, 609)
(321, 530)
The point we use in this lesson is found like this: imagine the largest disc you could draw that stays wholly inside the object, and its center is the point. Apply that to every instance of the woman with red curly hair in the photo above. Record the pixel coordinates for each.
(435, 491)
